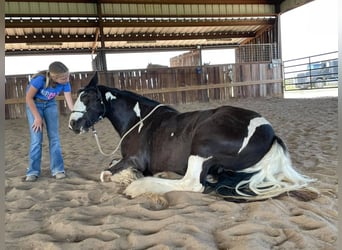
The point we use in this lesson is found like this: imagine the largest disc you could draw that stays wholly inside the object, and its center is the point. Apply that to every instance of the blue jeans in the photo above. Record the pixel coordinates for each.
(49, 113)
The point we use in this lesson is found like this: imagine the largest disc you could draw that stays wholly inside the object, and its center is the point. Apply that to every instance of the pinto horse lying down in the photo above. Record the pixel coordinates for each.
(231, 150)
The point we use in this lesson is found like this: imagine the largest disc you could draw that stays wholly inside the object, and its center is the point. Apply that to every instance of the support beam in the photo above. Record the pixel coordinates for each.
(102, 62)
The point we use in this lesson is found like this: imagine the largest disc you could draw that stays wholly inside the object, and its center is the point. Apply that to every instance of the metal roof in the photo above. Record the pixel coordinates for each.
(87, 26)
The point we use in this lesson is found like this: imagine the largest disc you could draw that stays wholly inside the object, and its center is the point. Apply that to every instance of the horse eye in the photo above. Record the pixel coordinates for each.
(83, 96)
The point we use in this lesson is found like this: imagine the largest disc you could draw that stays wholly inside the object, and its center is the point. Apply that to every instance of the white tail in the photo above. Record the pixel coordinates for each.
(273, 176)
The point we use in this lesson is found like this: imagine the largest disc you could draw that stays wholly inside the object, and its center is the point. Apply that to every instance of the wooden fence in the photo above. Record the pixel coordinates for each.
(167, 85)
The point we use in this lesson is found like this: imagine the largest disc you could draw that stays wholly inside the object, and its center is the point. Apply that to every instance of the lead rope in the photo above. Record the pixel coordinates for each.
(123, 137)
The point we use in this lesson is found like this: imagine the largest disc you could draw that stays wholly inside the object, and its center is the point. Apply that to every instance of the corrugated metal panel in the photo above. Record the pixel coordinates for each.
(287, 5)
(119, 9)
(63, 8)
(50, 8)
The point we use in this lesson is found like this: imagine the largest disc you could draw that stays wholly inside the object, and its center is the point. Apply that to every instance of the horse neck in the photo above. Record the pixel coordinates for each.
(124, 117)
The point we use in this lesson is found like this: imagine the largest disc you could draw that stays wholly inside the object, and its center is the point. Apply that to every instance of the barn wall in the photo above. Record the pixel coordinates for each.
(192, 58)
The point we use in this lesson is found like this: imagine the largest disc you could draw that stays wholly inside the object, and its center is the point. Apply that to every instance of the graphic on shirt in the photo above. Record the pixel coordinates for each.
(49, 95)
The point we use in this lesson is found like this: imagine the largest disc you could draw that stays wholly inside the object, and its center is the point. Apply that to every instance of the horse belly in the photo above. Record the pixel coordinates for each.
(170, 155)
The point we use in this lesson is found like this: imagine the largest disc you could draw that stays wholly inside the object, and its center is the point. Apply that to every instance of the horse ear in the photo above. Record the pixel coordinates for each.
(94, 80)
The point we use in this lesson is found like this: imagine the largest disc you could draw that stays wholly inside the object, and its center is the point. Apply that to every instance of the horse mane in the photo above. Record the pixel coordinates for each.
(139, 98)
(132, 95)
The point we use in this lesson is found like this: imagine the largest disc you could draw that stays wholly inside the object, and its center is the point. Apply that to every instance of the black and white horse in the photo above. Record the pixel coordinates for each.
(231, 150)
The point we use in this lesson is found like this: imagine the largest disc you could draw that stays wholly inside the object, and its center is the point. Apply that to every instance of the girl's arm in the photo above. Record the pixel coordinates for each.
(69, 101)
(38, 122)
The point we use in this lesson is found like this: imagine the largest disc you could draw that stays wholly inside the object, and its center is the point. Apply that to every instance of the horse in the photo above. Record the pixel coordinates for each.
(228, 150)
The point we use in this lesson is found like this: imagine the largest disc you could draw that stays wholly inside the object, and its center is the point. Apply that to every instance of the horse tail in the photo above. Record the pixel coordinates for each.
(270, 177)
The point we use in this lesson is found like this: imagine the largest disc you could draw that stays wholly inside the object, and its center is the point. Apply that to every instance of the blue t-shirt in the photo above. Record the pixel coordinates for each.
(47, 93)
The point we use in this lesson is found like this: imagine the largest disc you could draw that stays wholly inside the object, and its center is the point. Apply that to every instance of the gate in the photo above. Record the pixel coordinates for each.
(314, 72)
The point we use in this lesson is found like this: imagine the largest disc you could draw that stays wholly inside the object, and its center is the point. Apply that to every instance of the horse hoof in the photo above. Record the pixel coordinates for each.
(106, 176)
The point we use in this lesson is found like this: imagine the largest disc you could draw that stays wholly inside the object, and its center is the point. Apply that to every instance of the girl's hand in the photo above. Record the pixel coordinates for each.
(37, 125)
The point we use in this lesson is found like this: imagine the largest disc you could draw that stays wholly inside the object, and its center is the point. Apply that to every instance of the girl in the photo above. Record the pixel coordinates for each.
(41, 107)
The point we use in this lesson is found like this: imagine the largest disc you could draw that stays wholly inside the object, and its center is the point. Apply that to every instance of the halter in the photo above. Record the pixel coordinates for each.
(101, 116)
(128, 131)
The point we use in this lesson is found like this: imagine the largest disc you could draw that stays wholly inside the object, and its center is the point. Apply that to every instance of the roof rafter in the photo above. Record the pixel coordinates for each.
(133, 22)
(162, 1)
(102, 25)
(58, 38)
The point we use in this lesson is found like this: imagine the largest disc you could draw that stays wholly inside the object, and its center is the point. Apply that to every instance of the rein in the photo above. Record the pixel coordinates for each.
(123, 137)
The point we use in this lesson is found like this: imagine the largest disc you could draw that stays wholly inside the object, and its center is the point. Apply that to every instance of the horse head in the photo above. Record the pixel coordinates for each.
(88, 109)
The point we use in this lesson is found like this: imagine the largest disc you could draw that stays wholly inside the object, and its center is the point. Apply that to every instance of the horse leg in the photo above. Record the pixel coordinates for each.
(121, 172)
(168, 175)
(190, 182)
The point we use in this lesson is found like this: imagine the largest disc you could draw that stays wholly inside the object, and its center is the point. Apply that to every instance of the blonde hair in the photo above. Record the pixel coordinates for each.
(55, 69)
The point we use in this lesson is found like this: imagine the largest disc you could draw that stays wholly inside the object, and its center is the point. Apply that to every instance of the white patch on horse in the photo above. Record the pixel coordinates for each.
(137, 112)
(253, 124)
(110, 96)
(79, 108)
(190, 182)
(172, 134)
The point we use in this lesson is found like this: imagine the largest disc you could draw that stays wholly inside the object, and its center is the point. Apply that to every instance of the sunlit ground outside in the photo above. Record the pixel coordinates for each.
(311, 93)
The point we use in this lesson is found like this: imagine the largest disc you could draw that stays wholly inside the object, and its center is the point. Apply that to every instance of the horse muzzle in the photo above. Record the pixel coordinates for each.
(78, 126)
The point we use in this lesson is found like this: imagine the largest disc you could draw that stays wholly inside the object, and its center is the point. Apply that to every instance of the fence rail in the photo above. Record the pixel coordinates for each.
(167, 85)
(314, 72)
